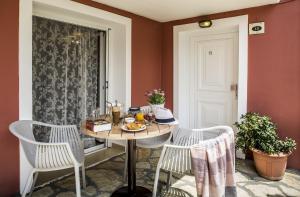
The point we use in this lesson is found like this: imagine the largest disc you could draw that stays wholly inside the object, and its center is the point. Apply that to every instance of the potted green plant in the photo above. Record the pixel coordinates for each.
(156, 98)
(258, 134)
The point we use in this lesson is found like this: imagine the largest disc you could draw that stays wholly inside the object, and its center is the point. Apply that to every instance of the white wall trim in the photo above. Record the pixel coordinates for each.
(79, 8)
(25, 59)
(25, 51)
(179, 37)
(25, 78)
(43, 11)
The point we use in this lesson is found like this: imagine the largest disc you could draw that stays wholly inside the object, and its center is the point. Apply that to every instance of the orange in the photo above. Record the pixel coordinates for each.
(139, 116)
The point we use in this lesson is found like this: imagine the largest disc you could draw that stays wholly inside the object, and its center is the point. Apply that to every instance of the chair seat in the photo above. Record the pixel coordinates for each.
(154, 142)
(178, 159)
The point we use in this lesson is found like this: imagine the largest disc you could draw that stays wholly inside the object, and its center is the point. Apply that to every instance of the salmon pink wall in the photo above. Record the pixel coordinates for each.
(146, 74)
(9, 151)
(273, 70)
(146, 52)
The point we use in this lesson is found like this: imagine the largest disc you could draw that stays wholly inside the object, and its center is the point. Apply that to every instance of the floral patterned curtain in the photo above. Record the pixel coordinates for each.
(65, 71)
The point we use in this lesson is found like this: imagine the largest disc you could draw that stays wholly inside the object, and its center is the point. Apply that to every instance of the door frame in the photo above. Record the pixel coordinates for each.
(180, 78)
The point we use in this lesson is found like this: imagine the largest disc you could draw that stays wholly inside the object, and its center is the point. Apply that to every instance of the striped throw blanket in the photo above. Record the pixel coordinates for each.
(213, 163)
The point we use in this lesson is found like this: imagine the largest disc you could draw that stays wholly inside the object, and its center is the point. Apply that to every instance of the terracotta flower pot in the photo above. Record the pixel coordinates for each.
(271, 167)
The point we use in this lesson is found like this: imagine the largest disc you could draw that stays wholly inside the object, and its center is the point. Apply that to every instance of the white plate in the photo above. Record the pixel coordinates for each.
(124, 128)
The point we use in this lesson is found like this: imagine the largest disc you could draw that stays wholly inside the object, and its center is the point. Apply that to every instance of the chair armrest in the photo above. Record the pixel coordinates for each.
(214, 128)
(50, 125)
(176, 146)
(42, 143)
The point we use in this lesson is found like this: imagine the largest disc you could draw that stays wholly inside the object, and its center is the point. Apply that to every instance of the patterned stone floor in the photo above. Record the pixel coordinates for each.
(107, 177)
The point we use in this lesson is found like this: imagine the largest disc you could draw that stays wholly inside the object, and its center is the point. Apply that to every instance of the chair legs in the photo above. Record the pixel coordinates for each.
(155, 182)
(77, 181)
(27, 184)
(33, 182)
(83, 177)
(169, 180)
(125, 165)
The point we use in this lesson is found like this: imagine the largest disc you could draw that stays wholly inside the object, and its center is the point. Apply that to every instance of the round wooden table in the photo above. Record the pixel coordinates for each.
(153, 130)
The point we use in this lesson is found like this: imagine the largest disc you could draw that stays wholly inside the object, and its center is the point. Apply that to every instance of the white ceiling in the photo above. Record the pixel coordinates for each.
(168, 10)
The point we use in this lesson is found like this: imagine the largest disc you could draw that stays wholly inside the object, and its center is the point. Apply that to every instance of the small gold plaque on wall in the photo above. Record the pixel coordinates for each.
(257, 28)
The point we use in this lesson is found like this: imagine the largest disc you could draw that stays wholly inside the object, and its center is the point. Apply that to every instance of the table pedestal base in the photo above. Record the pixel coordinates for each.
(139, 192)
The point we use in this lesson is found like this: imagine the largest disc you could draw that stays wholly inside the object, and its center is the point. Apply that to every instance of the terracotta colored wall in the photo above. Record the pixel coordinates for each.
(9, 149)
(146, 52)
(274, 66)
(146, 74)
(274, 70)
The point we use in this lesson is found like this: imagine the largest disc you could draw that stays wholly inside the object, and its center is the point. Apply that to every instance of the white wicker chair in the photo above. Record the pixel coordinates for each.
(155, 142)
(176, 157)
(64, 150)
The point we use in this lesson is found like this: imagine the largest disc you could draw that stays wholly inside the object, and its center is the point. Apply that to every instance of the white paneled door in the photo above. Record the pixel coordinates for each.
(213, 80)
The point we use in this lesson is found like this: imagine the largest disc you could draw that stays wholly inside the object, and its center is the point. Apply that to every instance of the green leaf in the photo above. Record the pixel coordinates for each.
(256, 131)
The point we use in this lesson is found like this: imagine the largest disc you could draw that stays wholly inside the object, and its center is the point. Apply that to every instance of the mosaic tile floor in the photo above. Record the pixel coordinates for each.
(107, 177)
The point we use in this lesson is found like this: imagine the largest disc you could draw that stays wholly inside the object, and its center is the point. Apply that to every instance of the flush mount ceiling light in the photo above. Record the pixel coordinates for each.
(205, 23)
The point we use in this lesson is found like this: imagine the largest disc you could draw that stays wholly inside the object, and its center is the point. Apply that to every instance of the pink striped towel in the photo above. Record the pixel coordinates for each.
(213, 163)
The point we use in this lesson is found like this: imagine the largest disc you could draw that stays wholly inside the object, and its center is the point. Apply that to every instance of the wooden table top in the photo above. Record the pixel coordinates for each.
(117, 133)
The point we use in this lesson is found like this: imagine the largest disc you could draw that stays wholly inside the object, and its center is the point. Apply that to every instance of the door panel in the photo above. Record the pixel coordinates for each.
(211, 113)
(210, 59)
(214, 66)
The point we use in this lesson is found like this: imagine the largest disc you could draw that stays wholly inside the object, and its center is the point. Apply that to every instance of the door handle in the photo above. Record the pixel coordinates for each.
(106, 84)
(234, 87)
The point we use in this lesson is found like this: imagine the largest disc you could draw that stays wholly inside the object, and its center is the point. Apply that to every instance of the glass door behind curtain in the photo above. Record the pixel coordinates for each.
(68, 74)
